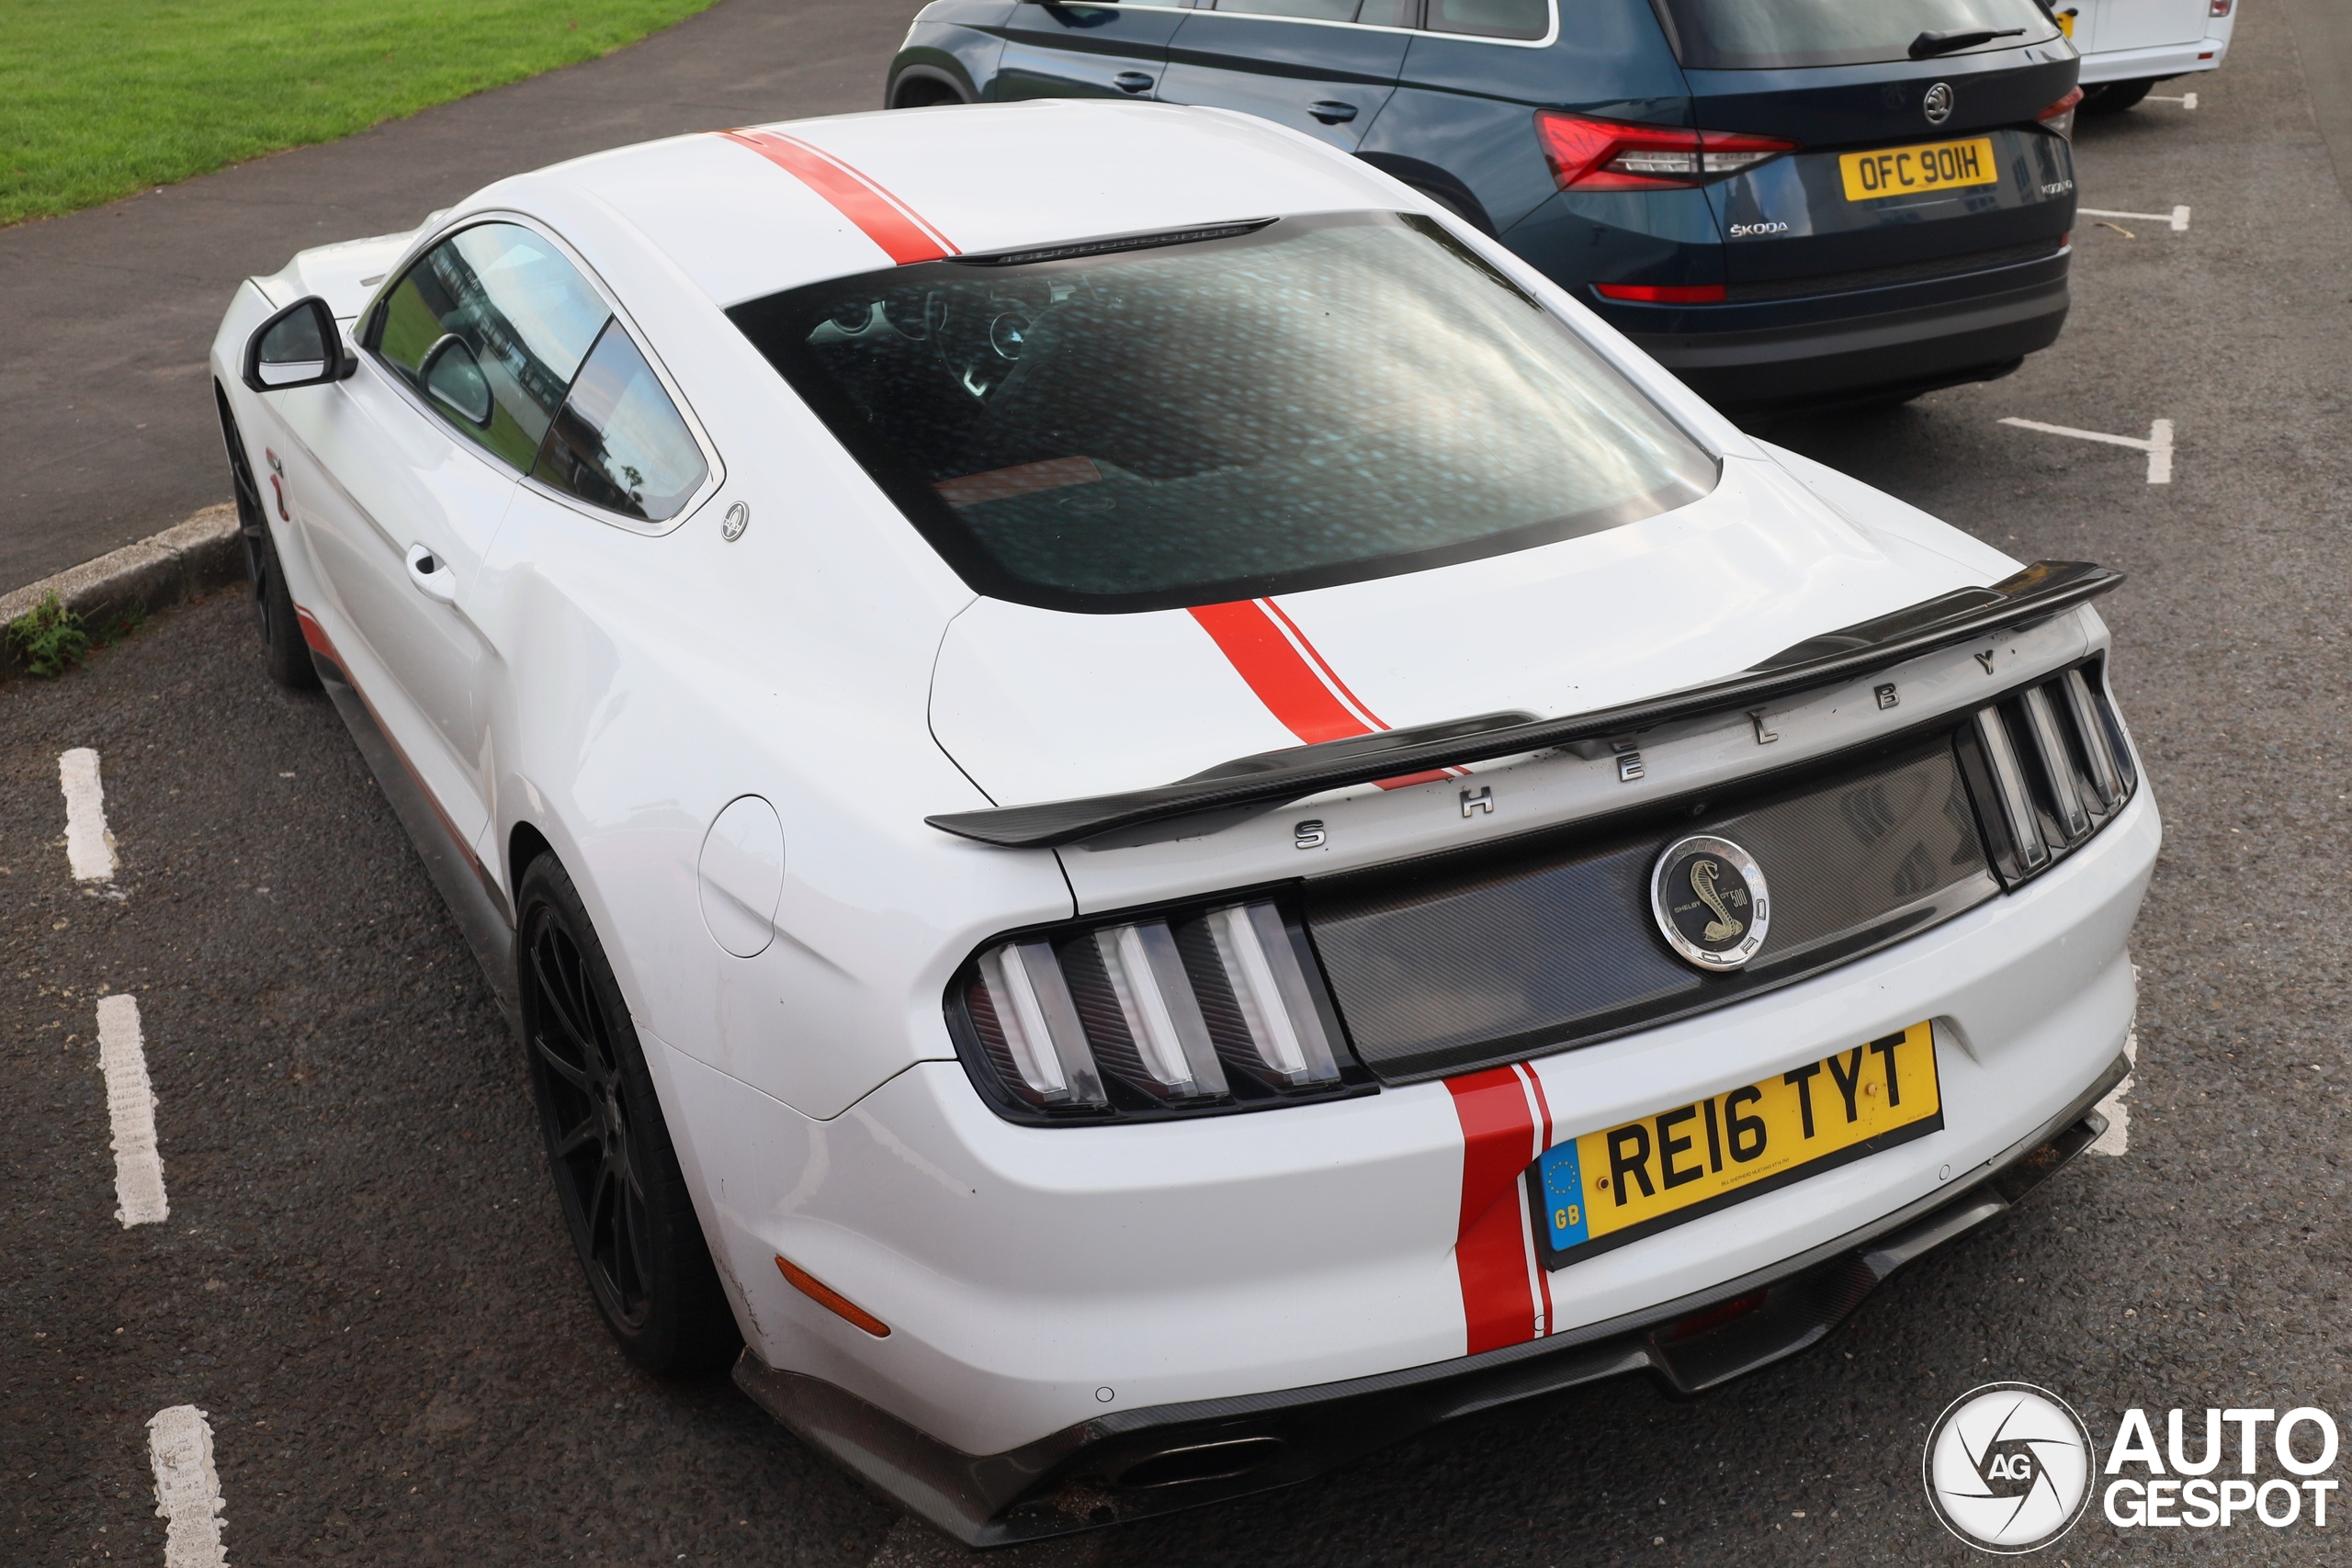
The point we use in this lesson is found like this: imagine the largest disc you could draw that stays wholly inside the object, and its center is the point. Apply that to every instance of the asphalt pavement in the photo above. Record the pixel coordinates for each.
(364, 1282)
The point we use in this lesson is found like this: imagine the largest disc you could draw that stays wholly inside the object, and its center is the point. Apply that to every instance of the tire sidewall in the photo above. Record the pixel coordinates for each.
(688, 1325)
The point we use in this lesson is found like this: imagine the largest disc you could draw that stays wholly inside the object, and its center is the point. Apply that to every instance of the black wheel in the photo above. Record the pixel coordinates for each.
(289, 656)
(616, 1174)
(2114, 97)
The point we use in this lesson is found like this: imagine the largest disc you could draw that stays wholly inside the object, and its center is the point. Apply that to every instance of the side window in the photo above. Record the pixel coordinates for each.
(490, 326)
(619, 442)
(1316, 10)
(1490, 18)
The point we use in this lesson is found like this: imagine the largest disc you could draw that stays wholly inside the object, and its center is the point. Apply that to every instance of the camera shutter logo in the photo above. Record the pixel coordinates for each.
(2008, 1468)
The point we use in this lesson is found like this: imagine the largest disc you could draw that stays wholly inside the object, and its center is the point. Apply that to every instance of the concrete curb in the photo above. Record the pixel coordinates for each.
(182, 562)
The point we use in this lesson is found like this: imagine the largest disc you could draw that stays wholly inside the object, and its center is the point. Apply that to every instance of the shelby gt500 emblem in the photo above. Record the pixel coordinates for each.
(1710, 902)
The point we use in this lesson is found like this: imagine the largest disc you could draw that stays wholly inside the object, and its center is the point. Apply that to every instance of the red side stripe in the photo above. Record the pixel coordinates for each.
(1291, 676)
(1499, 1304)
(315, 636)
(887, 221)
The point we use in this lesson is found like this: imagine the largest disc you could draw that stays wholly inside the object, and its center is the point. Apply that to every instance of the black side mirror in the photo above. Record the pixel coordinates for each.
(296, 347)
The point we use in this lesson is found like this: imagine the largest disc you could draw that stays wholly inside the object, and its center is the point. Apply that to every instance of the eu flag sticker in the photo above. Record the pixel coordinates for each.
(1563, 1201)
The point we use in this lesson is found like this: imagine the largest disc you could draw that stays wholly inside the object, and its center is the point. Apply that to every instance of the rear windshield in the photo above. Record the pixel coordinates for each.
(1314, 402)
(1732, 35)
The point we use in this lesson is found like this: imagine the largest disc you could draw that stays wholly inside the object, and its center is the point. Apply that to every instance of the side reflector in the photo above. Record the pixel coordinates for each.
(832, 1300)
(1663, 293)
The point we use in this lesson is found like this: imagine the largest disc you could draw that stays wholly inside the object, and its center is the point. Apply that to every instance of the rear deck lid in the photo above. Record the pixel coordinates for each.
(1037, 705)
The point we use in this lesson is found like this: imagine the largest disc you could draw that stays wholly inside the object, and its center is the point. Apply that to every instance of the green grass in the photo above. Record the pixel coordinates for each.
(99, 98)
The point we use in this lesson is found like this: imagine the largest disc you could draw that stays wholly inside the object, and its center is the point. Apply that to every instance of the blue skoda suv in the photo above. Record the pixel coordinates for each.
(1790, 203)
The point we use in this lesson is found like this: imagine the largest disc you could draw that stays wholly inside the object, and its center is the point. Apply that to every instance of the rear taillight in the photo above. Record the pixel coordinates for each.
(2060, 116)
(2219, 8)
(1215, 1007)
(1608, 154)
(1663, 293)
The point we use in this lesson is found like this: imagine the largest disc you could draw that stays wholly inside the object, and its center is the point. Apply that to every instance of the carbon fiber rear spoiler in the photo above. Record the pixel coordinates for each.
(1271, 778)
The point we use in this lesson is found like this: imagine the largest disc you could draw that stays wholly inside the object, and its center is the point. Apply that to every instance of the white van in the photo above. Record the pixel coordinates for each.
(2128, 46)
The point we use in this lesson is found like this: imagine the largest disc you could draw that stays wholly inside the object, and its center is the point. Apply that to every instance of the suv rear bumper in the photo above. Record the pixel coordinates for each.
(1889, 352)
(1140, 1463)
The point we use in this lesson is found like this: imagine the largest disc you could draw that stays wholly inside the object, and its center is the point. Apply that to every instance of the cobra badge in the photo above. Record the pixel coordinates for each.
(1710, 902)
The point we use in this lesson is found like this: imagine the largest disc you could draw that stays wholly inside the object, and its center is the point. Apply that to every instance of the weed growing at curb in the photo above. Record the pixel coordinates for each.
(50, 639)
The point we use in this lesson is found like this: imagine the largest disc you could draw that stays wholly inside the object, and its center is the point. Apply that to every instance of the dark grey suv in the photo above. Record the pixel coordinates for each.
(1788, 202)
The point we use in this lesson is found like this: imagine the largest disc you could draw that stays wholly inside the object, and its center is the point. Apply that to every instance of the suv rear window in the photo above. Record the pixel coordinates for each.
(1733, 35)
(1313, 401)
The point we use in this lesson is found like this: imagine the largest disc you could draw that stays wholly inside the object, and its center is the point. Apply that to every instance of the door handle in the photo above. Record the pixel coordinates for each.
(1330, 112)
(430, 575)
(1131, 81)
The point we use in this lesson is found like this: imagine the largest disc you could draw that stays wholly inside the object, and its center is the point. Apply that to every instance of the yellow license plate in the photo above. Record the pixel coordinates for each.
(1605, 1188)
(1910, 171)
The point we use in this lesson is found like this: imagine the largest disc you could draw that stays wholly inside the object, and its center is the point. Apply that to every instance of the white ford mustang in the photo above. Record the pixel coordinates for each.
(1150, 816)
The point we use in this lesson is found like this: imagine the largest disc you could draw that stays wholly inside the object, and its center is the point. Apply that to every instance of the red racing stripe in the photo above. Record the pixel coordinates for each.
(1491, 1248)
(887, 221)
(1543, 1141)
(1253, 643)
(1291, 676)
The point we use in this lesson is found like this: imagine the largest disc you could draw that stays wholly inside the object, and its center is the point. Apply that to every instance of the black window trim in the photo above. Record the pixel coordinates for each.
(368, 321)
(1551, 33)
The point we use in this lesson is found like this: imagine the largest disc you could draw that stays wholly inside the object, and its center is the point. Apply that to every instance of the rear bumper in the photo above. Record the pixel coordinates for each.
(2168, 60)
(1140, 1463)
(1912, 349)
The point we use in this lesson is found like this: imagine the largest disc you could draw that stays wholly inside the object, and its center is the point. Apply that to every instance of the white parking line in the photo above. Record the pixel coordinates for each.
(2186, 100)
(2159, 445)
(88, 846)
(188, 1488)
(2117, 1139)
(131, 1106)
(2178, 217)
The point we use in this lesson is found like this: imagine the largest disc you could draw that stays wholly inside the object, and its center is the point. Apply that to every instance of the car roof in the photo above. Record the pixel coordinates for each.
(750, 213)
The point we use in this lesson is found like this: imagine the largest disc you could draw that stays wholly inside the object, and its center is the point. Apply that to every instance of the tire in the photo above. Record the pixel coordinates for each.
(625, 1200)
(2114, 97)
(921, 92)
(289, 655)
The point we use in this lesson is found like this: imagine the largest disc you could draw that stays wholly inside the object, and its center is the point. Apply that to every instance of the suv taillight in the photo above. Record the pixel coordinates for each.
(2060, 116)
(1608, 154)
(1217, 1006)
